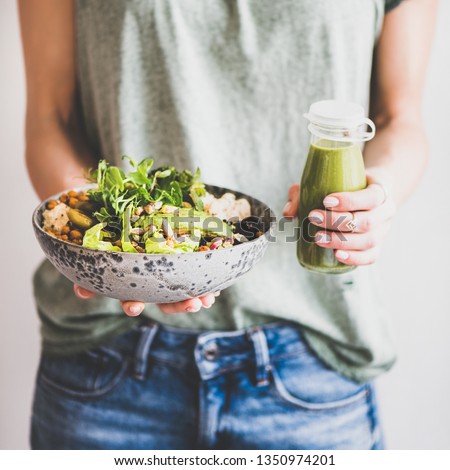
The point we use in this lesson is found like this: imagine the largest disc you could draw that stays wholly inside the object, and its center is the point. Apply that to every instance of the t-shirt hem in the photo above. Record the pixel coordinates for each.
(357, 374)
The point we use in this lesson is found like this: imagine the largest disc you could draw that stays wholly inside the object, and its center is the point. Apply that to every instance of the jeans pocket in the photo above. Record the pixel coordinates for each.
(84, 376)
(305, 382)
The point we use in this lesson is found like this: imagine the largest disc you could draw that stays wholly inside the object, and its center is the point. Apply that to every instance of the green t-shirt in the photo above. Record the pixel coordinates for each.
(223, 85)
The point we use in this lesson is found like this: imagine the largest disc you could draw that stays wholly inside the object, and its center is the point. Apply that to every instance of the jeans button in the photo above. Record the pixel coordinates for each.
(210, 352)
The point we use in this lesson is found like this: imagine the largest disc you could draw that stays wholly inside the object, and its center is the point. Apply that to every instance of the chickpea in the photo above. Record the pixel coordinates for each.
(75, 234)
(83, 197)
(52, 204)
(65, 230)
(73, 202)
(203, 248)
(64, 237)
(64, 198)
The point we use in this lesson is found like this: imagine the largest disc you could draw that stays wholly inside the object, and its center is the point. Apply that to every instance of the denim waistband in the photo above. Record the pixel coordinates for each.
(212, 353)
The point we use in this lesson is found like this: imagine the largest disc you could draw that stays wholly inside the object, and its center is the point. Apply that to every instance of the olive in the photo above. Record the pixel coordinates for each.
(249, 227)
(253, 224)
(79, 219)
(86, 206)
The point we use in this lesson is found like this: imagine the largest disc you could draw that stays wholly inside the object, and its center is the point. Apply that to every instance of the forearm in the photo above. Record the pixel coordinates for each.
(56, 156)
(398, 155)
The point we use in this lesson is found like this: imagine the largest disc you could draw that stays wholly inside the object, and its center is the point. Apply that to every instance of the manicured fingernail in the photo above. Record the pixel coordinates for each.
(330, 201)
(342, 254)
(316, 217)
(136, 309)
(210, 302)
(323, 238)
(216, 294)
(81, 294)
(190, 309)
(287, 207)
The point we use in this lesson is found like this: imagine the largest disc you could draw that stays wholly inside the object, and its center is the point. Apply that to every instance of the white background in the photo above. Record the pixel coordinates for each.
(414, 396)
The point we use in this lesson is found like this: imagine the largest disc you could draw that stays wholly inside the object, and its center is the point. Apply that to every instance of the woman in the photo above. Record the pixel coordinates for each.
(286, 358)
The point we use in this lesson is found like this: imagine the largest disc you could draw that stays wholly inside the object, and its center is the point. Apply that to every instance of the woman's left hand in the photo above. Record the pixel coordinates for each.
(355, 223)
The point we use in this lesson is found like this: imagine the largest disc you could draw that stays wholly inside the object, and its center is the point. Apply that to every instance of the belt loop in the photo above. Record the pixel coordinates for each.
(263, 366)
(145, 341)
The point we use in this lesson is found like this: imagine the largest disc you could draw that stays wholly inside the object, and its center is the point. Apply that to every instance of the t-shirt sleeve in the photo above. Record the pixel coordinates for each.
(391, 4)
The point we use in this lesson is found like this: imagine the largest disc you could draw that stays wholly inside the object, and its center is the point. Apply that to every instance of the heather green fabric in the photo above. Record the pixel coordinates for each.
(223, 85)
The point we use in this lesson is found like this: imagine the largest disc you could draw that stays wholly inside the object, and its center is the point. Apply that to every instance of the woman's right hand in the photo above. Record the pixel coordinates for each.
(133, 309)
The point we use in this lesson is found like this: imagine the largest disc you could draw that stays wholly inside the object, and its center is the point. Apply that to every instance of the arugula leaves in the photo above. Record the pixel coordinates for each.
(119, 192)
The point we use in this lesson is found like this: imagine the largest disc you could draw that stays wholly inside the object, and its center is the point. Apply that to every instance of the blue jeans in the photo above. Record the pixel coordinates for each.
(162, 388)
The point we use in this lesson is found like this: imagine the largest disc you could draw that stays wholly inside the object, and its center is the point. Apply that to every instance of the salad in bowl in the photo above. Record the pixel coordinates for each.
(152, 235)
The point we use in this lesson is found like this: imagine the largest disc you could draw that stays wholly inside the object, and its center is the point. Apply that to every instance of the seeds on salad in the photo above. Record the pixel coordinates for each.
(167, 229)
(137, 247)
(150, 229)
(149, 208)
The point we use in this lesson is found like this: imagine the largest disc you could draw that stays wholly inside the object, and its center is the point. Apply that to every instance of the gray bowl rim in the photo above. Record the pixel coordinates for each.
(85, 187)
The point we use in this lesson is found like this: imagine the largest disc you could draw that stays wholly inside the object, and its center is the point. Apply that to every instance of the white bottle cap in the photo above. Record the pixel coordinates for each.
(341, 116)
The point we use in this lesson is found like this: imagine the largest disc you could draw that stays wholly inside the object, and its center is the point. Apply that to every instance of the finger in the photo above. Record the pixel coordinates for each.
(365, 199)
(348, 241)
(291, 207)
(190, 305)
(365, 221)
(132, 309)
(82, 293)
(208, 300)
(358, 258)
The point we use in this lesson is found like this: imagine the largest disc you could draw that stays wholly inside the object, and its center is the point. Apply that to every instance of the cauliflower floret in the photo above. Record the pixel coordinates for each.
(56, 218)
(227, 206)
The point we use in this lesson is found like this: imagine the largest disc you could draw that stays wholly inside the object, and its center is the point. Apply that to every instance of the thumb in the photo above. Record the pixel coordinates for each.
(291, 207)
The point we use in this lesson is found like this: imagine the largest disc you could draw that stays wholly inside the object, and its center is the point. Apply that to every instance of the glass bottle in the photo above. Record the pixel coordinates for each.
(334, 164)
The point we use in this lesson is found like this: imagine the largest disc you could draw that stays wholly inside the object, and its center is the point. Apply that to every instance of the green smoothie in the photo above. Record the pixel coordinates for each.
(330, 167)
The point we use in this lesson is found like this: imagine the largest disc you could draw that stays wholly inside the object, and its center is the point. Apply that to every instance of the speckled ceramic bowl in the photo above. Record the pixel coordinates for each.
(155, 278)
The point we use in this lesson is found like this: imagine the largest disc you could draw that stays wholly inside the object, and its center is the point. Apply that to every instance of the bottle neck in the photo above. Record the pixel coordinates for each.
(327, 143)
(343, 134)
